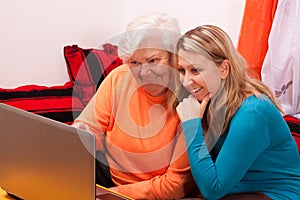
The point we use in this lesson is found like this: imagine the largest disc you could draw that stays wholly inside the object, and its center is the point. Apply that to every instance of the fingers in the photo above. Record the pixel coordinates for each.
(81, 126)
(191, 97)
(178, 110)
(203, 105)
(205, 100)
(191, 108)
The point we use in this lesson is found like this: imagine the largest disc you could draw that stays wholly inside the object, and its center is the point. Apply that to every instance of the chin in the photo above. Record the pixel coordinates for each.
(200, 98)
(155, 90)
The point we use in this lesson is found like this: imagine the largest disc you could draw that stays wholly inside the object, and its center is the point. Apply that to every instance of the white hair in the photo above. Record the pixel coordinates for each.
(161, 28)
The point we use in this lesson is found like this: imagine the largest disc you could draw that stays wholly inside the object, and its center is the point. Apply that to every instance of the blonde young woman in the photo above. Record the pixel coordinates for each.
(239, 145)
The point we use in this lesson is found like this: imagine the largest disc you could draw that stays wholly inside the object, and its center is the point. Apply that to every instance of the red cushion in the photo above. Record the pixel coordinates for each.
(294, 125)
(88, 67)
(55, 102)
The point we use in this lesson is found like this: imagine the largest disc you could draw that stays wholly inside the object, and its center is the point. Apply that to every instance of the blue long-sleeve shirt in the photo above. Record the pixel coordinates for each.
(258, 155)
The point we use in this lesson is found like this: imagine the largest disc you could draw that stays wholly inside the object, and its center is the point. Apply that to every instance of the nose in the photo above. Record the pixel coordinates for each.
(144, 69)
(187, 80)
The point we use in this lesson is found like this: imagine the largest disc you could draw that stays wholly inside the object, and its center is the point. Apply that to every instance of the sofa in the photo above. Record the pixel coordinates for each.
(87, 67)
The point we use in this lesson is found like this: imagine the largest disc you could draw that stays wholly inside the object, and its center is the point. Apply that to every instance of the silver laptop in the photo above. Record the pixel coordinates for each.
(44, 159)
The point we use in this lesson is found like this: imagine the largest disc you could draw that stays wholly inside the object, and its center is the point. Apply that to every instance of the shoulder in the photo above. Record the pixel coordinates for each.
(117, 74)
(259, 102)
(119, 70)
(259, 107)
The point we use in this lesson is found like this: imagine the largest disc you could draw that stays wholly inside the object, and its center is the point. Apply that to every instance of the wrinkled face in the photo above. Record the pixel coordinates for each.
(151, 68)
(198, 74)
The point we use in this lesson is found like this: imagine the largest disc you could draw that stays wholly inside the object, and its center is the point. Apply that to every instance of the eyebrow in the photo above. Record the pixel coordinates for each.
(190, 65)
(153, 55)
(147, 58)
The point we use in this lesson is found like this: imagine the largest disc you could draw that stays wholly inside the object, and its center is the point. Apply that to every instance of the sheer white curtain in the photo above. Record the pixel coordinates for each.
(281, 70)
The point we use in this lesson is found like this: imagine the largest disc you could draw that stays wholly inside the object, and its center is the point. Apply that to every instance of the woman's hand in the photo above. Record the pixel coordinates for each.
(190, 108)
(82, 126)
(115, 188)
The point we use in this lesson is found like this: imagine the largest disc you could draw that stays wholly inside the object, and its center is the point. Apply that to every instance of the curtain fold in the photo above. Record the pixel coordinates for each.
(255, 29)
(281, 67)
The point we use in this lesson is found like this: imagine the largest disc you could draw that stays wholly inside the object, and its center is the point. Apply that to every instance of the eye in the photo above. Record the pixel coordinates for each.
(153, 61)
(181, 70)
(134, 63)
(196, 70)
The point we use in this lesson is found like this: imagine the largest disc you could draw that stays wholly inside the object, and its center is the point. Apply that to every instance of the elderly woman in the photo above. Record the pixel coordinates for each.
(131, 119)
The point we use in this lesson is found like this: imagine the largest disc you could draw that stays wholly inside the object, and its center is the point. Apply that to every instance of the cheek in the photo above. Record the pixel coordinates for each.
(181, 78)
(161, 70)
(163, 66)
(135, 72)
(212, 80)
(166, 76)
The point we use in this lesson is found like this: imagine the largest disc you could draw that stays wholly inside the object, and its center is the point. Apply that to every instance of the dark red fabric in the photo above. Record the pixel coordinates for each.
(294, 125)
(75, 58)
(57, 102)
(88, 67)
(112, 52)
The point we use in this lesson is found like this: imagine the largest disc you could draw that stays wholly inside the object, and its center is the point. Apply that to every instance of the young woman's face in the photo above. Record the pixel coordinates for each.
(198, 74)
(151, 68)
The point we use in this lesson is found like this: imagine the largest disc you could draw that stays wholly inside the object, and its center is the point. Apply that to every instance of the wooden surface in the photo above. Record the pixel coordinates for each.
(100, 190)
(3, 195)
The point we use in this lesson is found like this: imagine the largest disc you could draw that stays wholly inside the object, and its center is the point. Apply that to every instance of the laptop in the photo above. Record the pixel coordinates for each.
(41, 158)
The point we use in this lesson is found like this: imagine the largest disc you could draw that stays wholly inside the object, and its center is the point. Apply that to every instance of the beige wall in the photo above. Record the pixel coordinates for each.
(33, 33)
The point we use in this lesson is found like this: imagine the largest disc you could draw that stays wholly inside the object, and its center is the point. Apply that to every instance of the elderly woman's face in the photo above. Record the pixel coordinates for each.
(151, 68)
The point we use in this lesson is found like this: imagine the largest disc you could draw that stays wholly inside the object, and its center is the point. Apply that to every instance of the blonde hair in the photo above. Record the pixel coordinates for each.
(213, 42)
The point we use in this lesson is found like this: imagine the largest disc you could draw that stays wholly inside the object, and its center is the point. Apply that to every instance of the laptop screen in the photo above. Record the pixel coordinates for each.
(44, 159)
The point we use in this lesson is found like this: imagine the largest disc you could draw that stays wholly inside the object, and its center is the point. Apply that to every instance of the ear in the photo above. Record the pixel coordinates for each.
(224, 69)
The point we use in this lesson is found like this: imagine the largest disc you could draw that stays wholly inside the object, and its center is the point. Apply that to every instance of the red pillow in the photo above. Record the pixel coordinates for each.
(88, 67)
(56, 102)
(294, 125)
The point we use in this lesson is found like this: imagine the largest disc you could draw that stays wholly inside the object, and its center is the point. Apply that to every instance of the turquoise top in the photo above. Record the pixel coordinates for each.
(259, 154)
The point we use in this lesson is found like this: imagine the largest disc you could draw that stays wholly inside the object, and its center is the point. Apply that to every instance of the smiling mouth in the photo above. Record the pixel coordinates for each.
(194, 91)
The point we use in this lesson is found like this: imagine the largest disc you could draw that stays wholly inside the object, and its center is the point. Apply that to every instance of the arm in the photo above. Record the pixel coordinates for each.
(247, 130)
(89, 120)
(174, 183)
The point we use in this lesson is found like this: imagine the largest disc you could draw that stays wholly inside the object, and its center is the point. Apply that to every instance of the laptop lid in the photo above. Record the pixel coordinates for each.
(44, 159)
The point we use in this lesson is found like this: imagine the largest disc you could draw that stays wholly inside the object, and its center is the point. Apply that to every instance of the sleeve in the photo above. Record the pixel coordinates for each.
(175, 183)
(96, 115)
(247, 129)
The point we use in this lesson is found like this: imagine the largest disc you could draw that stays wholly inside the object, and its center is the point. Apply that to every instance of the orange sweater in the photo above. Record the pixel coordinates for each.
(143, 143)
